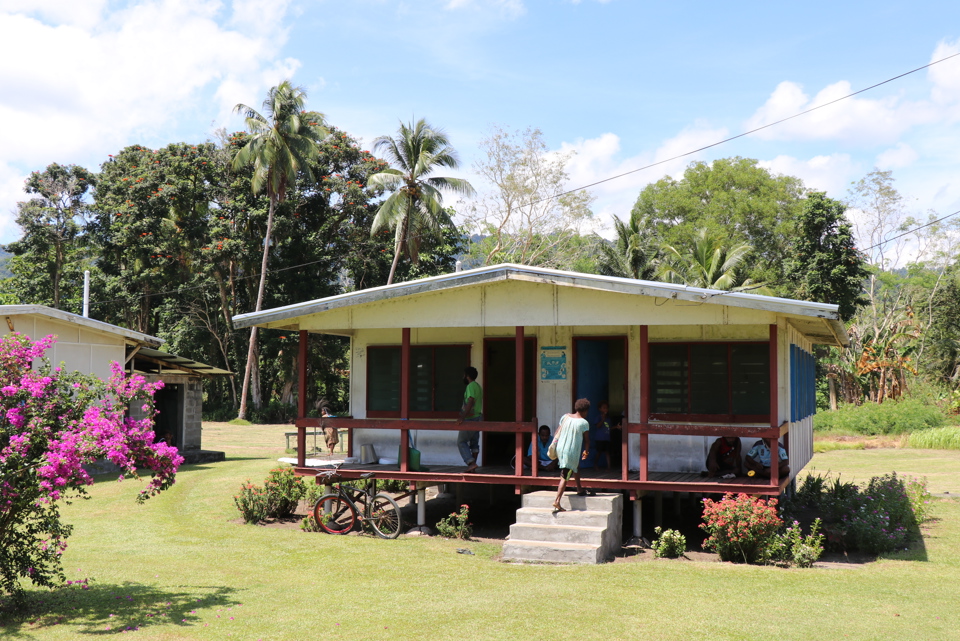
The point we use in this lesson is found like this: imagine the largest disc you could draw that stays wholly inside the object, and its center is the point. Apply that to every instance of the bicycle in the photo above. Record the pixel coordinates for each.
(337, 512)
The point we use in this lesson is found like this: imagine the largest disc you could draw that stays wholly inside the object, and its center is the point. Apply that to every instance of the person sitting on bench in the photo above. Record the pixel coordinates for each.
(724, 458)
(543, 444)
(758, 460)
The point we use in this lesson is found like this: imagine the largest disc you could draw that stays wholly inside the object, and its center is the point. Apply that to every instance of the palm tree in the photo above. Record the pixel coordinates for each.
(282, 144)
(415, 207)
(631, 255)
(710, 264)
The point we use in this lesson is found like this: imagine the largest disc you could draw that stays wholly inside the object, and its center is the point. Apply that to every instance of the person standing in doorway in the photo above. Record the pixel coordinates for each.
(468, 441)
(573, 439)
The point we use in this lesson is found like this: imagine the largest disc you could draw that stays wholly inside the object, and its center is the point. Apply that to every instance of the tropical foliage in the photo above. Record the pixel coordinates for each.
(414, 209)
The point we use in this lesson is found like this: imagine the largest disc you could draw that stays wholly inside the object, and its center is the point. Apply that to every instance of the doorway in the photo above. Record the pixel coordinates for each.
(600, 374)
(500, 393)
(168, 423)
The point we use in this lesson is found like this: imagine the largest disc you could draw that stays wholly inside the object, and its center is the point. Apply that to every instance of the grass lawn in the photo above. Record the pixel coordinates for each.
(181, 567)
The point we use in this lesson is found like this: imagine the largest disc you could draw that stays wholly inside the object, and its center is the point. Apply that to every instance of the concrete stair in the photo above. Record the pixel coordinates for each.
(588, 532)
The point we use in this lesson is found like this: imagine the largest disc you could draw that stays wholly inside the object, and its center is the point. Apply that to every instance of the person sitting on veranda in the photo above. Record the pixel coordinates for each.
(724, 458)
(758, 460)
(543, 445)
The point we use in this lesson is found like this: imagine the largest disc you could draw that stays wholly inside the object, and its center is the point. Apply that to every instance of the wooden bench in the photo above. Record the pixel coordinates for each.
(340, 435)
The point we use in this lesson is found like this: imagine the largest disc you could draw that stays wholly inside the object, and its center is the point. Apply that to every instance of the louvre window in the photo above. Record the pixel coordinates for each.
(710, 381)
(436, 380)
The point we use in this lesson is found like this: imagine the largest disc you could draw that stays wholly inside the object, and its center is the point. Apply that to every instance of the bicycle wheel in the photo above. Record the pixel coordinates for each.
(334, 515)
(385, 517)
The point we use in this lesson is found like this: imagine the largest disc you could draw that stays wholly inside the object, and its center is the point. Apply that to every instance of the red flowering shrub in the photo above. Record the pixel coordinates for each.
(740, 527)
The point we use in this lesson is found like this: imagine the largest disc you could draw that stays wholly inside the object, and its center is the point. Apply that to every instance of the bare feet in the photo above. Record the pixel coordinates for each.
(471, 468)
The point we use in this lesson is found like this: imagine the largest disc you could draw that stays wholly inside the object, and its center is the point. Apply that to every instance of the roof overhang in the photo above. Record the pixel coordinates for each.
(83, 321)
(155, 362)
(824, 315)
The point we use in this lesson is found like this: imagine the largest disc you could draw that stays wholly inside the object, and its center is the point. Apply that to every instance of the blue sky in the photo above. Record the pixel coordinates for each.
(621, 82)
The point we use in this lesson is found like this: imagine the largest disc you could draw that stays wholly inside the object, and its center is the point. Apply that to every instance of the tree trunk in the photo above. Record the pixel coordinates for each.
(251, 348)
(832, 381)
(401, 237)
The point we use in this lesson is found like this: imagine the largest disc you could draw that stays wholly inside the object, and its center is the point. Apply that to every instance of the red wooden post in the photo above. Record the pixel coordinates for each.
(774, 407)
(302, 400)
(405, 374)
(534, 452)
(404, 397)
(518, 402)
(644, 401)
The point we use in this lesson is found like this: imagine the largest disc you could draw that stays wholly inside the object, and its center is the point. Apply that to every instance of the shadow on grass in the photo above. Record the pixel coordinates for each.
(96, 609)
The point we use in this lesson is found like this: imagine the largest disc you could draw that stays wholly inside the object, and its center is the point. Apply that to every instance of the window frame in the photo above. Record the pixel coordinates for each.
(706, 418)
(421, 413)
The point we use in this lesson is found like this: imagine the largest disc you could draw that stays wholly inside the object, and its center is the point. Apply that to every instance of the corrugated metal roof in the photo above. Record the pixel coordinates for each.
(825, 311)
(159, 360)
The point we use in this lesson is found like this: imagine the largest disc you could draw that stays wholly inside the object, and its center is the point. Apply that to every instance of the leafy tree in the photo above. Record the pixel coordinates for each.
(710, 263)
(48, 261)
(731, 197)
(631, 255)
(150, 224)
(528, 217)
(51, 424)
(824, 264)
(415, 208)
(281, 146)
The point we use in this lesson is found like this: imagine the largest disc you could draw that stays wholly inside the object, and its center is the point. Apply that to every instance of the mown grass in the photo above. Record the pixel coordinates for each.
(184, 559)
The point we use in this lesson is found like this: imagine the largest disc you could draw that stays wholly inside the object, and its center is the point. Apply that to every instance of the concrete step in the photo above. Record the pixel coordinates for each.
(556, 533)
(552, 552)
(570, 501)
(546, 516)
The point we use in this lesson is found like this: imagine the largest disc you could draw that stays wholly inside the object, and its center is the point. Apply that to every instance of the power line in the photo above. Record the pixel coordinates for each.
(633, 171)
(866, 249)
(746, 133)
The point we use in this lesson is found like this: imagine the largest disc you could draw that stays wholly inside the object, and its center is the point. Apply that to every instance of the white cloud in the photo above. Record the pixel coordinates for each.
(853, 120)
(507, 8)
(945, 76)
(831, 174)
(80, 84)
(902, 155)
(599, 158)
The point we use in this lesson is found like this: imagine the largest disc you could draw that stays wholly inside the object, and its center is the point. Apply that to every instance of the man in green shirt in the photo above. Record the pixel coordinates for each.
(468, 441)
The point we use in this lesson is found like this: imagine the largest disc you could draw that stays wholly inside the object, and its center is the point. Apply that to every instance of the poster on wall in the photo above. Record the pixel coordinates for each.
(553, 363)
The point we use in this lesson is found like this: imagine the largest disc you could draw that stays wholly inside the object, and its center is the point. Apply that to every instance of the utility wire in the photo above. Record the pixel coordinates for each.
(633, 171)
(746, 133)
(880, 244)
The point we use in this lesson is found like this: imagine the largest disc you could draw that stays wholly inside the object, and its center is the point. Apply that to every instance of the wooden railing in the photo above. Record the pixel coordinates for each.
(350, 424)
(770, 434)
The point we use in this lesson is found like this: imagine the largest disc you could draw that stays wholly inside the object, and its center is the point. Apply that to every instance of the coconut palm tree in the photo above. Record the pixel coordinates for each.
(631, 255)
(283, 142)
(710, 264)
(415, 207)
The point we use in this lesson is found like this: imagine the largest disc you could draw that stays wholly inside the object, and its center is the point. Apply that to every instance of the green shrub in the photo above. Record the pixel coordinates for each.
(740, 527)
(456, 525)
(792, 548)
(284, 489)
(871, 419)
(252, 503)
(273, 413)
(940, 438)
(309, 524)
(878, 518)
(669, 544)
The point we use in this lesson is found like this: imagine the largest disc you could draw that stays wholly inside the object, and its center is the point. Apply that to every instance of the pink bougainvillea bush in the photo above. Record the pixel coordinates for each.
(740, 527)
(53, 422)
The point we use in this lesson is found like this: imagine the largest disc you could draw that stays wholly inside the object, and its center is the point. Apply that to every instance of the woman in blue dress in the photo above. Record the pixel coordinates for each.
(573, 445)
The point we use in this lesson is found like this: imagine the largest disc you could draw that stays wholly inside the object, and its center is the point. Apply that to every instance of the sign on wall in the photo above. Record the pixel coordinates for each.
(553, 363)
